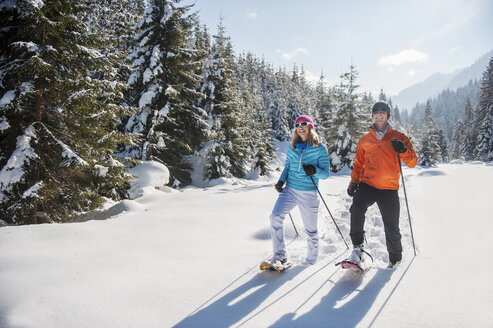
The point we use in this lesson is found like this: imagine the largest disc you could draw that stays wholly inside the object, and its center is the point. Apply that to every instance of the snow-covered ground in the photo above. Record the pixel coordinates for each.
(190, 259)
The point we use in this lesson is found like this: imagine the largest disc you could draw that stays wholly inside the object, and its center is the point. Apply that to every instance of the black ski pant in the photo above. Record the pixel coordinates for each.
(388, 203)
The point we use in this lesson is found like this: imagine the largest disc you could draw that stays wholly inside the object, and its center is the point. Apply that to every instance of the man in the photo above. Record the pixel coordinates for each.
(375, 178)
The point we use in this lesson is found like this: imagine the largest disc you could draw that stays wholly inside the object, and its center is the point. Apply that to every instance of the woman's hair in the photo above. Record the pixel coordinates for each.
(312, 138)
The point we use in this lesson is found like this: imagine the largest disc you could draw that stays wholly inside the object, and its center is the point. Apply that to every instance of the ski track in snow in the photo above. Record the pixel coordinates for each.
(190, 259)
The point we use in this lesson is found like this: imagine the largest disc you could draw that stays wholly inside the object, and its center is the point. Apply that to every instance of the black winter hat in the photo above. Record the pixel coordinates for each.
(381, 106)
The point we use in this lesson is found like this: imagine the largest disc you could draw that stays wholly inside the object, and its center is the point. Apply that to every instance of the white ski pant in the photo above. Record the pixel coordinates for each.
(307, 202)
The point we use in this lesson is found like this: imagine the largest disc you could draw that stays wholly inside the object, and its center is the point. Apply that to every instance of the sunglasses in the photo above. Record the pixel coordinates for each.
(297, 125)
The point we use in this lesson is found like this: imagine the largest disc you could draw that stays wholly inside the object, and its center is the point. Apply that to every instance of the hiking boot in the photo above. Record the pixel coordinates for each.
(278, 261)
(357, 254)
(393, 265)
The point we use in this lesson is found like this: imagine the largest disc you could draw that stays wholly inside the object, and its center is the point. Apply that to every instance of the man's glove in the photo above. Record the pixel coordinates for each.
(351, 190)
(279, 185)
(309, 169)
(398, 146)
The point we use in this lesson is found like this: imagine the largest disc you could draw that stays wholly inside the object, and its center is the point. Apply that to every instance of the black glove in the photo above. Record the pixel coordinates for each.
(351, 190)
(309, 169)
(279, 185)
(398, 146)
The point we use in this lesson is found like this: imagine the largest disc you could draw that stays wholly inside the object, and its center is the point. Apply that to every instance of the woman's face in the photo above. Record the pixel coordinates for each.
(303, 132)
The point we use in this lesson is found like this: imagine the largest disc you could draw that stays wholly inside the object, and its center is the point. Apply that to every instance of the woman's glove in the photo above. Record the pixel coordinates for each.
(309, 169)
(279, 185)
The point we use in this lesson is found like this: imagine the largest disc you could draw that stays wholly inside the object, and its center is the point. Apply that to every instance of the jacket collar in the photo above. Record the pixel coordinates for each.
(380, 134)
(303, 145)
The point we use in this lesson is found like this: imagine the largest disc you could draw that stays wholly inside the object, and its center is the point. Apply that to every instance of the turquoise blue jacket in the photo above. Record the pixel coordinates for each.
(293, 173)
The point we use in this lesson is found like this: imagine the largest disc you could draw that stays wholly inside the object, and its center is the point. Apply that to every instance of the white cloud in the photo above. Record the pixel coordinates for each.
(252, 15)
(294, 53)
(411, 72)
(455, 49)
(404, 57)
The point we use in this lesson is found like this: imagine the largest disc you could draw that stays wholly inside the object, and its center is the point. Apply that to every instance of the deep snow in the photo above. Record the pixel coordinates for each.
(190, 258)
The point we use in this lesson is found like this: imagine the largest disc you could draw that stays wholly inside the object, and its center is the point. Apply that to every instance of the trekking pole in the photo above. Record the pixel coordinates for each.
(293, 224)
(329, 212)
(407, 204)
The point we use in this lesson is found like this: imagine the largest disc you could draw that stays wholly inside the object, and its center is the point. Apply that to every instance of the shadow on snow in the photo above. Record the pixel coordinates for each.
(240, 302)
(344, 306)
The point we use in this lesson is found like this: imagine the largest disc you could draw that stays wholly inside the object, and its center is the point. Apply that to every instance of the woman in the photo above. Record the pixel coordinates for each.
(307, 161)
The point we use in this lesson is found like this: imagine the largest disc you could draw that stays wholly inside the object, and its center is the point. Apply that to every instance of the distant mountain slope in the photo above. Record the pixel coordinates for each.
(436, 83)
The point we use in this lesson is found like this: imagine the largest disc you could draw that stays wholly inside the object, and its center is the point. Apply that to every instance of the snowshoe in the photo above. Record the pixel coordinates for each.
(353, 266)
(393, 265)
(279, 265)
(358, 261)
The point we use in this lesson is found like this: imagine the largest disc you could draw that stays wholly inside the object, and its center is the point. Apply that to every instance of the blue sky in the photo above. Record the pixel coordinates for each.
(393, 44)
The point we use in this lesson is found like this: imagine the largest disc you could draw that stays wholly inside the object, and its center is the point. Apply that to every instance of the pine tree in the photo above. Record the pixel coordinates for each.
(484, 116)
(382, 96)
(276, 103)
(254, 125)
(349, 123)
(114, 22)
(226, 155)
(469, 133)
(396, 117)
(324, 109)
(57, 122)
(404, 116)
(458, 139)
(164, 82)
(442, 144)
(429, 151)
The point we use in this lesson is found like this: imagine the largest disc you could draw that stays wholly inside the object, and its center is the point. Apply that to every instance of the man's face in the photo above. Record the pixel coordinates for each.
(380, 117)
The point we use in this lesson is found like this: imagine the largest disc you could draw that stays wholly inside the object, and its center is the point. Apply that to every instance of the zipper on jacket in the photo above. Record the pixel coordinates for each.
(301, 157)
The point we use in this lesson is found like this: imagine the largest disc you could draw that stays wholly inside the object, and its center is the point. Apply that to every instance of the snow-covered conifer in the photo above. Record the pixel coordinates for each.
(276, 103)
(396, 117)
(484, 116)
(254, 124)
(457, 140)
(442, 144)
(350, 122)
(225, 150)
(57, 121)
(324, 108)
(429, 151)
(469, 132)
(164, 83)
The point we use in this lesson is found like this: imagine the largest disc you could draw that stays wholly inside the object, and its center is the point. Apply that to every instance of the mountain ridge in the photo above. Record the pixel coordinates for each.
(437, 82)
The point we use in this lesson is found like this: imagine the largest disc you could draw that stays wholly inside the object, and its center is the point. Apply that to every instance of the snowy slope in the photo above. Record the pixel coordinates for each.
(189, 259)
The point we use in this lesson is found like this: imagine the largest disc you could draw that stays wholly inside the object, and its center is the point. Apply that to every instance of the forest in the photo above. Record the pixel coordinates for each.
(91, 88)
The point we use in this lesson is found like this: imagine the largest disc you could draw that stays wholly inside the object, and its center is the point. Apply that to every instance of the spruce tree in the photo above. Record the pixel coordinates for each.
(225, 155)
(57, 122)
(296, 101)
(469, 132)
(324, 108)
(442, 144)
(429, 151)
(254, 124)
(457, 139)
(484, 116)
(276, 103)
(164, 81)
(396, 117)
(349, 123)
(382, 96)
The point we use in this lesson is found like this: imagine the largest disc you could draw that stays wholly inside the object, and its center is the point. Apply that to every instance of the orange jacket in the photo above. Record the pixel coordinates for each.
(376, 163)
